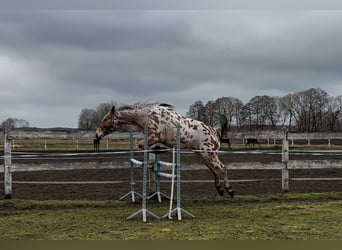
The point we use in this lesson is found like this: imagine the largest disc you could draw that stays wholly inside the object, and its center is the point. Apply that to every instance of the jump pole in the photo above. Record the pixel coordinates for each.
(178, 209)
(144, 211)
(157, 175)
(172, 183)
(285, 160)
(7, 167)
(132, 193)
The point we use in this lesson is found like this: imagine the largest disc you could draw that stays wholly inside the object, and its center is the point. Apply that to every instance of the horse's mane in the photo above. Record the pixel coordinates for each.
(125, 107)
(166, 105)
(141, 105)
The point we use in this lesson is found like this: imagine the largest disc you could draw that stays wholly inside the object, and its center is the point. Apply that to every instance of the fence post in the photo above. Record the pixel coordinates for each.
(285, 159)
(7, 167)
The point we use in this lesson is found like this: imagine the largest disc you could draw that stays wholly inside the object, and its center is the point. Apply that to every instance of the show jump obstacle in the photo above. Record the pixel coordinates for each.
(7, 166)
(175, 166)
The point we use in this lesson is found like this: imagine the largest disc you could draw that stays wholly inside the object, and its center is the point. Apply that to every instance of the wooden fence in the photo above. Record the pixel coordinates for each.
(284, 165)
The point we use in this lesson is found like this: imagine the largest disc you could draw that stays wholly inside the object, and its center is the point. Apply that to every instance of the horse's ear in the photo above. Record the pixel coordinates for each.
(112, 110)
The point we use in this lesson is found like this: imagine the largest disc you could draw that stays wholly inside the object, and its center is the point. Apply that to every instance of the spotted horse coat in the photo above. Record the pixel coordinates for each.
(162, 120)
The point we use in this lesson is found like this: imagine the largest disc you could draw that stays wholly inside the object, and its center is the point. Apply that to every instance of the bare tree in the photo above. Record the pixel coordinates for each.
(237, 111)
(103, 108)
(8, 124)
(286, 112)
(255, 112)
(271, 110)
(229, 107)
(246, 116)
(88, 119)
(332, 116)
(211, 115)
(320, 104)
(21, 123)
(196, 111)
(309, 107)
(12, 123)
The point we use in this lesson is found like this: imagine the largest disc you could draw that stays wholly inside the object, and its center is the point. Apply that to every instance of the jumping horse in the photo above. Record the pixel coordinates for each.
(161, 121)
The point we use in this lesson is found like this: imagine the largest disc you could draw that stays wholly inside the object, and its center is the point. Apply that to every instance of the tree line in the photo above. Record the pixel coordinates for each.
(311, 110)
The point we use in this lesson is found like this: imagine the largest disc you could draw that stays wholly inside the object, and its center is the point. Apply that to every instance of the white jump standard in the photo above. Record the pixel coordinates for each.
(158, 174)
(143, 211)
(178, 210)
(174, 166)
(7, 166)
(132, 193)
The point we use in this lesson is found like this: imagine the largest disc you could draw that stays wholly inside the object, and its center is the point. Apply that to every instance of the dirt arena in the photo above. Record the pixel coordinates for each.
(196, 184)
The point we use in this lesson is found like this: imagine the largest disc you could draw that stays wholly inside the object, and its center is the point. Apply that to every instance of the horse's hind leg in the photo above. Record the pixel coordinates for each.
(229, 189)
(220, 173)
(218, 184)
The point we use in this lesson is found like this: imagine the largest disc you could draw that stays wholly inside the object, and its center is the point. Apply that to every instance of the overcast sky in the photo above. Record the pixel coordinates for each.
(55, 63)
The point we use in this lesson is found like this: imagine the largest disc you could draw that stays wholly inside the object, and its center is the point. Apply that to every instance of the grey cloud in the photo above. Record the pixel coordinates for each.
(68, 60)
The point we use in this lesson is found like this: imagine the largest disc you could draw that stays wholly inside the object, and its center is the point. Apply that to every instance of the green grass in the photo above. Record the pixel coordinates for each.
(288, 216)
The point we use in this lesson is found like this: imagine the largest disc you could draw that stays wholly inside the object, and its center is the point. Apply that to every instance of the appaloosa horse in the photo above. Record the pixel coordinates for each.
(161, 121)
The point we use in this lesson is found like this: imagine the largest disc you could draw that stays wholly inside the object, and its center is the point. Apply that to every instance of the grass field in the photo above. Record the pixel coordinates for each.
(286, 216)
(283, 216)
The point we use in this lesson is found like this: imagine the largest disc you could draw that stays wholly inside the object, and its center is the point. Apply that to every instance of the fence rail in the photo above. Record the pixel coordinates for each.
(292, 165)
(118, 135)
(65, 134)
(284, 165)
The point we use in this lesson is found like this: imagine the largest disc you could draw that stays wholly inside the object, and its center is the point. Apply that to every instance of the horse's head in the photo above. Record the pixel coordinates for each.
(108, 124)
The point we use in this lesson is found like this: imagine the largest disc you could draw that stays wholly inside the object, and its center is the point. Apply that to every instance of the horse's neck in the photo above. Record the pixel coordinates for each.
(133, 118)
